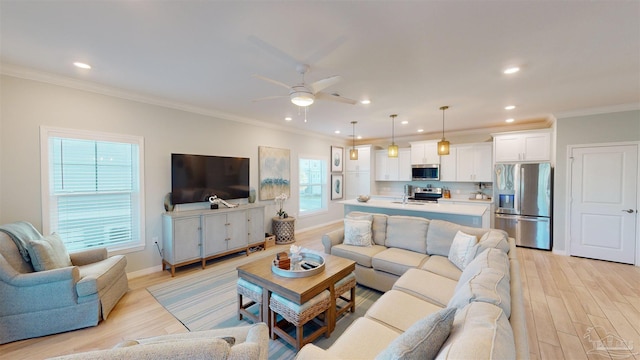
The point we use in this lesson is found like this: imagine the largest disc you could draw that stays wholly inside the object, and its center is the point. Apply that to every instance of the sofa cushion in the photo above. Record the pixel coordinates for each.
(48, 253)
(423, 339)
(400, 310)
(363, 339)
(185, 349)
(407, 232)
(489, 258)
(378, 226)
(441, 234)
(357, 232)
(397, 261)
(463, 249)
(494, 239)
(360, 254)
(479, 331)
(426, 285)
(489, 285)
(442, 266)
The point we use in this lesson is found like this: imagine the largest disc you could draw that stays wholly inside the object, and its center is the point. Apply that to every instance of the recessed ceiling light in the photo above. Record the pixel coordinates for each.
(512, 70)
(359, 137)
(420, 130)
(337, 131)
(288, 118)
(82, 65)
(509, 120)
(509, 107)
(404, 122)
(365, 102)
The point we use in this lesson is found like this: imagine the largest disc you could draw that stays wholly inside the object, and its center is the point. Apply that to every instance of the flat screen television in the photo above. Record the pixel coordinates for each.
(194, 178)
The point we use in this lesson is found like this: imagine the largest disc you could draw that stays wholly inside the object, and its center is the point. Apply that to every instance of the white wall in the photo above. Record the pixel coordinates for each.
(590, 129)
(26, 105)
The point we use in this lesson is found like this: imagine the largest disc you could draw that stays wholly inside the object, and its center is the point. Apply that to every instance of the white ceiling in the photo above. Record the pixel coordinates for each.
(409, 58)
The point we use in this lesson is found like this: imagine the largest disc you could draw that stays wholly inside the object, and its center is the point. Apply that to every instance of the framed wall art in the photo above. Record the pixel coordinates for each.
(337, 157)
(274, 172)
(337, 186)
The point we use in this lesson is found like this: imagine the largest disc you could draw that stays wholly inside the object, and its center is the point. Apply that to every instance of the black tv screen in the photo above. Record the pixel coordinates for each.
(194, 178)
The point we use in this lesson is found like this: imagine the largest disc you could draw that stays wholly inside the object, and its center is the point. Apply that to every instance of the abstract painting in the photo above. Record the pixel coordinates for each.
(337, 155)
(337, 186)
(275, 172)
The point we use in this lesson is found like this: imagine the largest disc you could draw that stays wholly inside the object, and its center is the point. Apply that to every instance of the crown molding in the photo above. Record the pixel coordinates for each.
(83, 85)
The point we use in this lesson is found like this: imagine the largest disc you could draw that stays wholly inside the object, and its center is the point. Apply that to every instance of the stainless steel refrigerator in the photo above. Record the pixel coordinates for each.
(522, 197)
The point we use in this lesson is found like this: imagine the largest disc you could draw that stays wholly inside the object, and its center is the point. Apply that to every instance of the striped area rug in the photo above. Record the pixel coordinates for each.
(207, 299)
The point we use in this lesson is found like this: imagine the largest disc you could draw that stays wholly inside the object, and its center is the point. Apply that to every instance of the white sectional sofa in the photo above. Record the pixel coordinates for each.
(441, 301)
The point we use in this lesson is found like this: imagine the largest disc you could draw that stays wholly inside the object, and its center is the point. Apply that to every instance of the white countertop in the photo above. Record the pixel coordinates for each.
(443, 208)
(466, 200)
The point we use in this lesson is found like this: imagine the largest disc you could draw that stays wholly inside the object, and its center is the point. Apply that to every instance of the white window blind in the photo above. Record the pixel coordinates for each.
(94, 190)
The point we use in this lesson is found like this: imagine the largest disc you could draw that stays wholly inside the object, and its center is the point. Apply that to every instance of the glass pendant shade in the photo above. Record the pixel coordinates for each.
(443, 147)
(353, 153)
(392, 150)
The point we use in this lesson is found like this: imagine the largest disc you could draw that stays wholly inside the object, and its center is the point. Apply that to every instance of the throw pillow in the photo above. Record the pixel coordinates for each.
(423, 339)
(357, 232)
(462, 249)
(48, 253)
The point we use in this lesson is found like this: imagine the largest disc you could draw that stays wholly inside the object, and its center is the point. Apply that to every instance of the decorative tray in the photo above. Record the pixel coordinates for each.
(310, 264)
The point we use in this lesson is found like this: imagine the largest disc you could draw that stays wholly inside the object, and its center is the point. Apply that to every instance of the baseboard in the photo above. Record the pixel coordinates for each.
(560, 252)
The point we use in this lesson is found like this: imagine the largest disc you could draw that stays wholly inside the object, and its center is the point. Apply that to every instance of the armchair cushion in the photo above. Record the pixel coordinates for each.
(48, 253)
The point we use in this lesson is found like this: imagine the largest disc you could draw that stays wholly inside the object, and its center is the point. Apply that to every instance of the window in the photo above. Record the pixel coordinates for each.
(313, 185)
(92, 189)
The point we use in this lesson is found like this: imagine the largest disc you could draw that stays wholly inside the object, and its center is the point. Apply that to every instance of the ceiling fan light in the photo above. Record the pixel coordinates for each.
(302, 99)
(443, 147)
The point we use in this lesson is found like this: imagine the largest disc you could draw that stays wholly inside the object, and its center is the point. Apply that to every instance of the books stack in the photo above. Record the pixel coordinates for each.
(282, 261)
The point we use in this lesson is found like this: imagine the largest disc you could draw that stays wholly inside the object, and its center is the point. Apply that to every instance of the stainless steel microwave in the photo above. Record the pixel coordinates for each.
(425, 172)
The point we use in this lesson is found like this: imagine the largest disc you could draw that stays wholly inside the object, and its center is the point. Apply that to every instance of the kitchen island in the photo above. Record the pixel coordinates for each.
(469, 215)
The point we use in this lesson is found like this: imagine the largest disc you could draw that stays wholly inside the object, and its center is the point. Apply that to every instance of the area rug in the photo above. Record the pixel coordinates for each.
(207, 299)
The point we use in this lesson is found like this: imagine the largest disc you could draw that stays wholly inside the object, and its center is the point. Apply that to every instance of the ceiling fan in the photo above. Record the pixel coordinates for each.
(304, 94)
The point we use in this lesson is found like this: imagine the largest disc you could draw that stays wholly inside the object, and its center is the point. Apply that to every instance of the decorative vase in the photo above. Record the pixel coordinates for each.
(252, 196)
(168, 205)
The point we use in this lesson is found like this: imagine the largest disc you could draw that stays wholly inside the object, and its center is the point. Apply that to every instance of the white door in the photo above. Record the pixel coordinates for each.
(603, 211)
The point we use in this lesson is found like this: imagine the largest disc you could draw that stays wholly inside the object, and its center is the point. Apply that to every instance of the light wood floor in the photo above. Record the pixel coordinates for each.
(564, 297)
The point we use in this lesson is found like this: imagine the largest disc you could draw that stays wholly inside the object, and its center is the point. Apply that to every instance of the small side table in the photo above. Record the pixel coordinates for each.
(284, 229)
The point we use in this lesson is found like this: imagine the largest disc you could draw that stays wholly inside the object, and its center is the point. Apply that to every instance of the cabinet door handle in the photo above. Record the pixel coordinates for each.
(630, 211)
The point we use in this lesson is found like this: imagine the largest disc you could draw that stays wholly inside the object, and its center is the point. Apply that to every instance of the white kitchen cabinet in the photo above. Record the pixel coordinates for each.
(358, 177)
(424, 152)
(522, 146)
(199, 235)
(393, 169)
(474, 162)
(448, 164)
(364, 159)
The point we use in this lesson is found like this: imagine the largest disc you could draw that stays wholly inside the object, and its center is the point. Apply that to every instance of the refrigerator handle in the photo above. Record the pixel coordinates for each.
(517, 187)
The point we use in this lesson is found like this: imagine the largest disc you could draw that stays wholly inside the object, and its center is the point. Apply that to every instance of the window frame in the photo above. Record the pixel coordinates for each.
(46, 133)
(325, 194)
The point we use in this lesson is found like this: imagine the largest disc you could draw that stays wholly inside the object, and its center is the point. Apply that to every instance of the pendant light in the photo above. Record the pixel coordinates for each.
(392, 151)
(443, 145)
(353, 154)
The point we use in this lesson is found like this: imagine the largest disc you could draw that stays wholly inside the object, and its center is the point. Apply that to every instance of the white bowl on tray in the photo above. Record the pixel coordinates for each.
(363, 198)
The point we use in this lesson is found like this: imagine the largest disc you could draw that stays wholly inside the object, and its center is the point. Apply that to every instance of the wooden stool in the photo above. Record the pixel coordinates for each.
(347, 283)
(299, 315)
(254, 293)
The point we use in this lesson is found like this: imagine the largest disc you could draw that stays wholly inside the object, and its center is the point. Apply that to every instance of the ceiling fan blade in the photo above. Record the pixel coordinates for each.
(276, 82)
(332, 97)
(325, 51)
(274, 51)
(270, 97)
(325, 83)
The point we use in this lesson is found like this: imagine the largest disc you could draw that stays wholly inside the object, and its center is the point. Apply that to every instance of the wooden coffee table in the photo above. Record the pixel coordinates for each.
(298, 290)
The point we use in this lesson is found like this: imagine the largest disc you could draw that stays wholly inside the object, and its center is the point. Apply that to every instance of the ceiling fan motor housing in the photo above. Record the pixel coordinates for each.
(301, 95)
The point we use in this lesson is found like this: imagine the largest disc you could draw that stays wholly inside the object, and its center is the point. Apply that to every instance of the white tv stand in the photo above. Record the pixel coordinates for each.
(200, 235)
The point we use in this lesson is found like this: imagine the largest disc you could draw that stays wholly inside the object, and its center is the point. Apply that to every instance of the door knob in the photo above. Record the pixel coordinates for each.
(630, 211)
